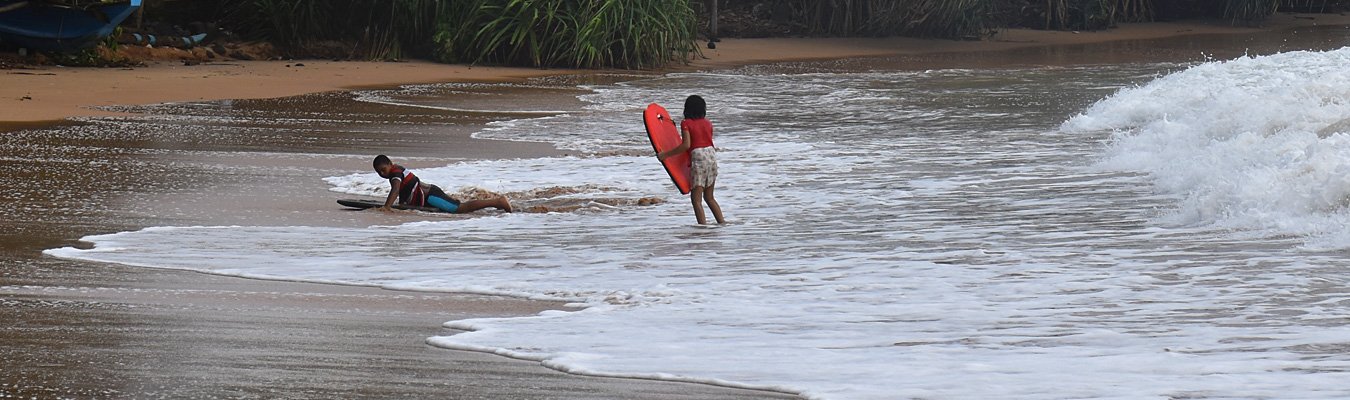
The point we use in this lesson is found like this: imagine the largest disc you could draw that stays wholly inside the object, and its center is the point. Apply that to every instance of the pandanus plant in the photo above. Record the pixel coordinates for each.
(574, 33)
(542, 33)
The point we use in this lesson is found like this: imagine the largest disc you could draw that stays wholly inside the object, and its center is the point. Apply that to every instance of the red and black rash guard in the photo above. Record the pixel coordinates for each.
(410, 192)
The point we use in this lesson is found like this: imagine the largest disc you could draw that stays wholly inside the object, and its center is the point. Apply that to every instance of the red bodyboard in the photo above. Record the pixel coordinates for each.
(665, 136)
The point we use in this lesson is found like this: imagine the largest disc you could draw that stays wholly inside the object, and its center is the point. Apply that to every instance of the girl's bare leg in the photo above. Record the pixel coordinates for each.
(712, 204)
(696, 197)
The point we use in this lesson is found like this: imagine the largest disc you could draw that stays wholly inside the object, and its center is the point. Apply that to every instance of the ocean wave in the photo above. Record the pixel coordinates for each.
(1255, 143)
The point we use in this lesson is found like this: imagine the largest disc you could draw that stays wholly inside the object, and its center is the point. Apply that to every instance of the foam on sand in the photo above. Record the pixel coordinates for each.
(935, 239)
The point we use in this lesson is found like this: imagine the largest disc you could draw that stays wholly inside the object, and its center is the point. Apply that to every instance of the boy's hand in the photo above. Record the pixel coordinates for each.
(661, 157)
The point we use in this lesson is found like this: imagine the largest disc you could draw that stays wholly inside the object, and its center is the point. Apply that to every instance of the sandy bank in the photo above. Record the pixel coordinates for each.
(53, 93)
(731, 52)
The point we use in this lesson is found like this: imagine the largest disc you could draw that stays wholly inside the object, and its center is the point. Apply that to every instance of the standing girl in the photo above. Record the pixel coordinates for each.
(697, 135)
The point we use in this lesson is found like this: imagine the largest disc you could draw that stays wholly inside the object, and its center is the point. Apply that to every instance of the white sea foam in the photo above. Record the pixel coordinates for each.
(938, 240)
(523, 175)
(1257, 143)
(462, 97)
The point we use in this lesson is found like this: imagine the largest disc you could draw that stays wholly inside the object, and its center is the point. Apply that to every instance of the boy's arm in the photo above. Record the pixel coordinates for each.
(683, 147)
(394, 185)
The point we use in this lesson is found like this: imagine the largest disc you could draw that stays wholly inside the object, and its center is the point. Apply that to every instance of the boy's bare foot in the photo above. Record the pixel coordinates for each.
(506, 204)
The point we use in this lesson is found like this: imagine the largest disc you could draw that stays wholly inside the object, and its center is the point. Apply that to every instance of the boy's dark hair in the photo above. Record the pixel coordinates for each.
(381, 160)
(694, 107)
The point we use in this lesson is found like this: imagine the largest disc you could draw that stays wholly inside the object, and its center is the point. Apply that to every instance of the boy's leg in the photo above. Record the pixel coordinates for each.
(500, 203)
(435, 197)
(712, 204)
(696, 196)
(442, 204)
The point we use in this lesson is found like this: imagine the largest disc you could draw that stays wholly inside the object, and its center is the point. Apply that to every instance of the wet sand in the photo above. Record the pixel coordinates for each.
(104, 331)
(93, 330)
(78, 329)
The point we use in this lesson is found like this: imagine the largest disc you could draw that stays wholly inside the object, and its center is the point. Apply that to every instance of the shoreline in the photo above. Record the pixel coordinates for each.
(270, 79)
(177, 334)
(46, 95)
(293, 337)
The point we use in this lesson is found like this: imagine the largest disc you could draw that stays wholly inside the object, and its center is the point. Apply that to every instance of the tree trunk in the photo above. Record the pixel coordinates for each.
(712, 23)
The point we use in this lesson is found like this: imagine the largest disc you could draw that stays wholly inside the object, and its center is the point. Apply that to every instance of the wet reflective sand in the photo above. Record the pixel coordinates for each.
(101, 331)
(94, 330)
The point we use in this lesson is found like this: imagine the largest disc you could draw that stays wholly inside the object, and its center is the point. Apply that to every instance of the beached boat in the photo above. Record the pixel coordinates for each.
(61, 25)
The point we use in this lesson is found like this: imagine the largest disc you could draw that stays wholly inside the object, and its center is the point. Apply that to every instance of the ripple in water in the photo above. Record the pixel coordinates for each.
(894, 235)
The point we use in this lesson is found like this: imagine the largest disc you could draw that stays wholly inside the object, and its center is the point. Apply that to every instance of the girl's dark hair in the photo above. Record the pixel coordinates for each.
(380, 160)
(694, 107)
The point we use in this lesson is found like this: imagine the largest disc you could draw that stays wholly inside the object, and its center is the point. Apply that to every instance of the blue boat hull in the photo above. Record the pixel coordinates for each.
(44, 26)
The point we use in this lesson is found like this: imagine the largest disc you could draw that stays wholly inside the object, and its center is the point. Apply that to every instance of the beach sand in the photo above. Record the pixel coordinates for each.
(54, 93)
(76, 330)
(93, 330)
(90, 330)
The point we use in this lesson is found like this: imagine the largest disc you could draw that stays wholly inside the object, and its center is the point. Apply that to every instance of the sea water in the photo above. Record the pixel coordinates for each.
(1110, 231)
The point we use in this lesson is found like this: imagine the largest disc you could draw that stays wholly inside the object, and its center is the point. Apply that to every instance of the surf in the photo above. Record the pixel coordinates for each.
(918, 232)
(1254, 144)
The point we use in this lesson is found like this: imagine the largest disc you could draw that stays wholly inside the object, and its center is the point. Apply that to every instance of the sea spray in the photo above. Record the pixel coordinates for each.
(895, 235)
(1254, 144)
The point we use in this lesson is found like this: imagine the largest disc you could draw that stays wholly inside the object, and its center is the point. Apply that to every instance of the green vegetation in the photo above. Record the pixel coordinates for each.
(384, 29)
(1249, 10)
(572, 33)
(1101, 14)
(920, 18)
(967, 19)
(1094, 14)
(540, 33)
(654, 33)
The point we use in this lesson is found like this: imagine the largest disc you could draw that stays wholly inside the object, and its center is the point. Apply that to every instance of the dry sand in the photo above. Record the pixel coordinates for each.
(53, 93)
